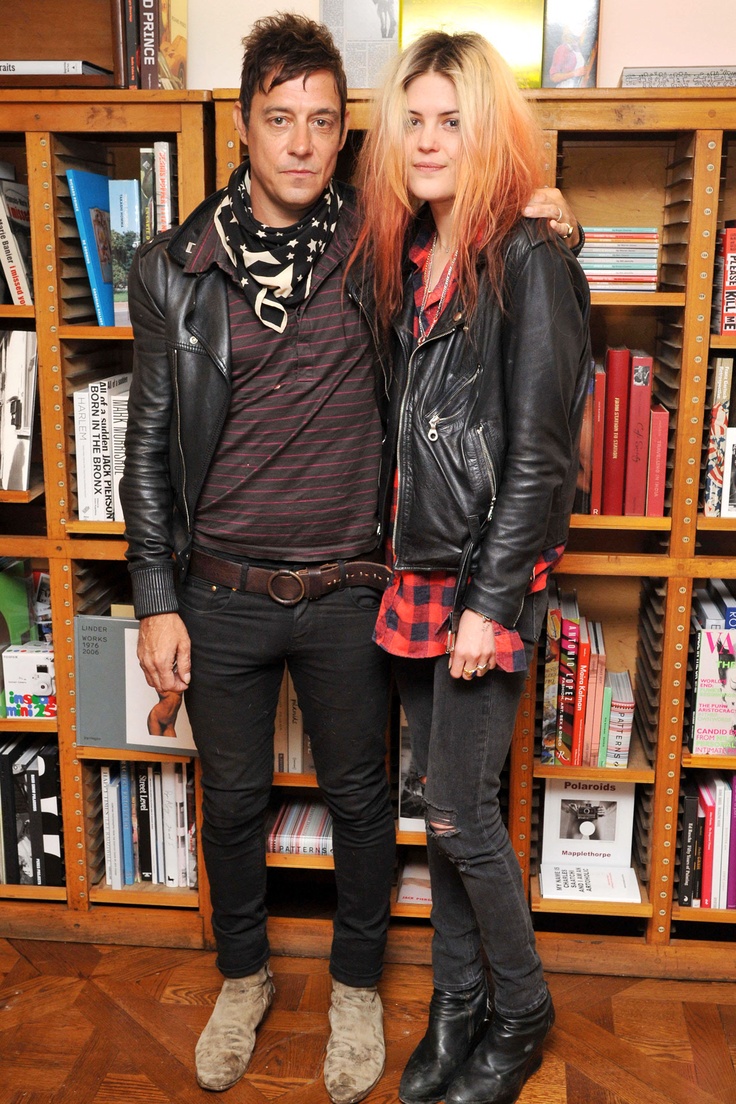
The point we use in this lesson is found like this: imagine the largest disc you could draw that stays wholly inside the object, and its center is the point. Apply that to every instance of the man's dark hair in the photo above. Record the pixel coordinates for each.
(288, 46)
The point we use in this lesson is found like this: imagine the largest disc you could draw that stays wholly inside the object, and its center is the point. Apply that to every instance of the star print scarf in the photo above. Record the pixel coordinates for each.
(274, 264)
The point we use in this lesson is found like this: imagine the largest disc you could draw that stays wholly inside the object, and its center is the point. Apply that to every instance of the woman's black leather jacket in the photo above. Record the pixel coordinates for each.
(484, 421)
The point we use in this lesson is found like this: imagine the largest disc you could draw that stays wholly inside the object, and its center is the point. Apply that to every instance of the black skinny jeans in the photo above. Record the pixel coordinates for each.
(240, 644)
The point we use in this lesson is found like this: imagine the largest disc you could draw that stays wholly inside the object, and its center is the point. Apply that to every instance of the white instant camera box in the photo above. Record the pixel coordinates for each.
(30, 683)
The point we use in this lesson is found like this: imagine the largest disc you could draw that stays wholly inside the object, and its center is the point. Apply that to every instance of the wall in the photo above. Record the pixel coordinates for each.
(633, 32)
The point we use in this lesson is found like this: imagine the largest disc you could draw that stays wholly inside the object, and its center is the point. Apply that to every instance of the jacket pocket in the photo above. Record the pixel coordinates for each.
(445, 409)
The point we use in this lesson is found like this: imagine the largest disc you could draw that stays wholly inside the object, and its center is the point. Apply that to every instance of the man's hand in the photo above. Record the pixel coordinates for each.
(550, 203)
(164, 652)
(474, 652)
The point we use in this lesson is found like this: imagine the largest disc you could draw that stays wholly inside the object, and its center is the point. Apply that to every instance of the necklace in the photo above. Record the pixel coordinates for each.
(424, 333)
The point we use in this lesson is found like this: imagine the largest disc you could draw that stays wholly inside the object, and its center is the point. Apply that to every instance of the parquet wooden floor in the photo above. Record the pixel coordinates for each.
(82, 1024)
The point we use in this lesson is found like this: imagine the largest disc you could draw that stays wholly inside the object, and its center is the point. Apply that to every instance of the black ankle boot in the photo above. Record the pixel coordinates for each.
(456, 1022)
(510, 1051)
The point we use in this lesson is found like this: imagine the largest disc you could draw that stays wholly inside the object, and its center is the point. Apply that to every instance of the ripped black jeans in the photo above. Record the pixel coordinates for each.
(461, 733)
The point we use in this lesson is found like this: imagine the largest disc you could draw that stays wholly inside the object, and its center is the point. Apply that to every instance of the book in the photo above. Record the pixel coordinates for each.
(152, 819)
(127, 28)
(158, 834)
(169, 821)
(620, 720)
(91, 202)
(15, 611)
(569, 643)
(712, 728)
(15, 241)
(605, 724)
(411, 786)
(688, 842)
(295, 729)
(281, 729)
(29, 679)
(302, 828)
(637, 434)
(679, 76)
(192, 875)
(618, 366)
(18, 376)
(143, 809)
(12, 748)
(728, 496)
(707, 802)
(659, 421)
(581, 504)
(147, 193)
(414, 886)
(724, 298)
(718, 424)
(589, 883)
(116, 708)
(721, 841)
(591, 705)
(172, 49)
(182, 845)
(111, 824)
(599, 422)
(731, 884)
(36, 67)
(118, 413)
(706, 612)
(581, 694)
(100, 438)
(125, 236)
(588, 823)
(724, 601)
(149, 31)
(28, 838)
(551, 673)
(164, 159)
(45, 770)
(126, 823)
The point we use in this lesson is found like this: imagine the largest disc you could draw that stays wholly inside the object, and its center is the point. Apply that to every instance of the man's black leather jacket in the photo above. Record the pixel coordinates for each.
(484, 421)
(179, 399)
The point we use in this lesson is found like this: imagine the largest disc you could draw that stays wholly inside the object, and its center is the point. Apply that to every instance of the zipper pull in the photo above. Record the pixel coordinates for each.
(432, 432)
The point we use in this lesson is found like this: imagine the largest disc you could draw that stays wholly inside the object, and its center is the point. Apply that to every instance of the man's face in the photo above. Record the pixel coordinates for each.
(293, 138)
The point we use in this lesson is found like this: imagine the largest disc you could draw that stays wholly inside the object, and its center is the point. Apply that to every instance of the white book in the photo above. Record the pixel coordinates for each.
(721, 835)
(155, 877)
(100, 392)
(105, 792)
(170, 830)
(41, 67)
(15, 241)
(589, 883)
(414, 884)
(119, 422)
(281, 730)
(116, 835)
(163, 184)
(83, 451)
(295, 730)
(159, 815)
(587, 823)
(181, 823)
(18, 371)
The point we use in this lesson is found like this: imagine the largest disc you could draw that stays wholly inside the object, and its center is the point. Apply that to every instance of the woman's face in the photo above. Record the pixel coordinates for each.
(433, 139)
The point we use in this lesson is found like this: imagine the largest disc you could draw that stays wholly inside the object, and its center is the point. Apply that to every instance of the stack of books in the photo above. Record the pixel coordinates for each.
(148, 823)
(621, 258)
(707, 867)
(587, 711)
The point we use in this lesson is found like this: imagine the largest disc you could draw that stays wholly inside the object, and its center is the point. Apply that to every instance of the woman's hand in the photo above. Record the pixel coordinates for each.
(474, 652)
(551, 204)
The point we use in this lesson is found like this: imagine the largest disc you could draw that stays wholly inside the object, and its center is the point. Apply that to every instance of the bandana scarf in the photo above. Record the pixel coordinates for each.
(273, 264)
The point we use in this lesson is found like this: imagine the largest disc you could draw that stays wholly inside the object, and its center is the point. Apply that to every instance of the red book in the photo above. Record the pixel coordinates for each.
(618, 370)
(725, 291)
(707, 803)
(659, 421)
(569, 640)
(637, 436)
(599, 421)
(582, 679)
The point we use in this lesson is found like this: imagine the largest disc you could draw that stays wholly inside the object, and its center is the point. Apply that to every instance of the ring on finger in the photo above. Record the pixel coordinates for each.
(559, 215)
(469, 674)
(570, 230)
(481, 667)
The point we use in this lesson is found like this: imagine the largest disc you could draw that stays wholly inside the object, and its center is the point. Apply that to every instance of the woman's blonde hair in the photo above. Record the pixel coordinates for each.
(500, 164)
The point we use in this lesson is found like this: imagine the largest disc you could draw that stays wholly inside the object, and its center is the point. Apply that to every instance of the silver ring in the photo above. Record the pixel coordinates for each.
(481, 667)
(559, 215)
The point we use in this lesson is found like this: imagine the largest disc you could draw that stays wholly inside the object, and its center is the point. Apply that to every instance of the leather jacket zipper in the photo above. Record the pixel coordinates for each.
(485, 453)
(436, 418)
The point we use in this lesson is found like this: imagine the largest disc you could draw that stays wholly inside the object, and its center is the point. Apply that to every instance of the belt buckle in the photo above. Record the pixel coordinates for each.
(284, 574)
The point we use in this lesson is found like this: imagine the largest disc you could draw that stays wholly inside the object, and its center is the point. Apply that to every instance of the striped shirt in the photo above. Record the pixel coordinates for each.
(295, 474)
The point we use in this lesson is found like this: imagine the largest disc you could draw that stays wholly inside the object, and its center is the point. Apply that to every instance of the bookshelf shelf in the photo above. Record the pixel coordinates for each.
(34, 491)
(31, 893)
(96, 333)
(703, 915)
(15, 314)
(589, 908)
(143, 893)
(319, 862)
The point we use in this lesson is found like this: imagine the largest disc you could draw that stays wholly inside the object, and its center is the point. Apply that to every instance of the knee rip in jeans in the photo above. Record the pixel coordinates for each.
(441, 822)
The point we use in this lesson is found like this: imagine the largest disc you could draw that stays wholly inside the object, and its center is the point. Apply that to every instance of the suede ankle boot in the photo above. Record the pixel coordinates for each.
(227, 1042)
(455, 1024)
(356, 1052)
(509, 1052)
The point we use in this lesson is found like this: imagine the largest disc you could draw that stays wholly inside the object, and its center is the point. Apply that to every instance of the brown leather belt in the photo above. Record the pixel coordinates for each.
(288, 587)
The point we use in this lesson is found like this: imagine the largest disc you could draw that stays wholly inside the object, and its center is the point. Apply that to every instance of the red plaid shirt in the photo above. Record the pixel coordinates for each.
(413, 620)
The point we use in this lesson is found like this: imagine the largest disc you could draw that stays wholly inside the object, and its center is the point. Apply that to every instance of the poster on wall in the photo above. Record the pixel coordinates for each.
(570, 44)
(514, 27)
(367, 34)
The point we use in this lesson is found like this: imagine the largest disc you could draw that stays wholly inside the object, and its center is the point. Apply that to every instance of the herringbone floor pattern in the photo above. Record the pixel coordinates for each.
(82, 1024)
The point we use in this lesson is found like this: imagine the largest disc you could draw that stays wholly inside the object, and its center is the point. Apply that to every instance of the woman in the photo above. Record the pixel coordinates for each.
(487, 318)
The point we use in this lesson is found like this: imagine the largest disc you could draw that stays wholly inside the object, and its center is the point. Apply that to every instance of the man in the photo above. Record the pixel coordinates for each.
(250, 497)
